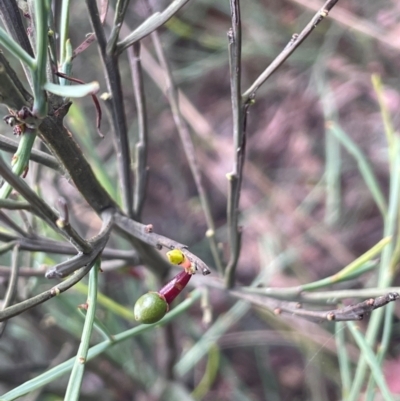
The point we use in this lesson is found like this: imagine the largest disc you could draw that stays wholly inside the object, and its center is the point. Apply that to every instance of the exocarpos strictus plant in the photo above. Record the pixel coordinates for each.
(75, 205)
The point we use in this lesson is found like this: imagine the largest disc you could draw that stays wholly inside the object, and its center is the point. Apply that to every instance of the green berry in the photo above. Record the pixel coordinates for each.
(150, 308)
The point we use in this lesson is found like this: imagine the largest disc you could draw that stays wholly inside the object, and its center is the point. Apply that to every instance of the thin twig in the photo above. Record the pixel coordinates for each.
(12, 285)
(350, 21)
(106, 266)
(92, 37)
(118, 120)
(140, 169)
(10, 223)
(40, 244)
(151, 24)
(97, 243)
(145, 234)
(17, 309)
(348, 313)
(11, 18)
(326, 297)
(119, 15)
(239, 142)
(276, 305)
(24, 271)
(42, 209)
(293, 44)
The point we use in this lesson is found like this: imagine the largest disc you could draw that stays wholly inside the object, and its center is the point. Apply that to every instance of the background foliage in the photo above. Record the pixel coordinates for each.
(319, 190)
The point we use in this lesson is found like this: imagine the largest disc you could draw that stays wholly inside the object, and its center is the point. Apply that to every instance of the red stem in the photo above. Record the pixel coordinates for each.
(173, 288)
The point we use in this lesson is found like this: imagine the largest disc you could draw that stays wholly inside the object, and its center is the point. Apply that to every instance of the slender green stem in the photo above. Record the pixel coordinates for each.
(209, 338)
(363, 165)
(151, 24)
(371, 359)
(120, 10)
(64, 30)
(387, 123)
(351, 268)
(386, 272)
(210, 374)
(15, 49)
(12, 284)
(343, 359)
(383, 348)
(20, 160)
(66, 67)
(75, 380)
(8, 145)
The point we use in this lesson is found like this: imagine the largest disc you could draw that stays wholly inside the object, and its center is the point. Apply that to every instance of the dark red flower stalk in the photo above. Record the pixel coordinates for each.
(173, 288)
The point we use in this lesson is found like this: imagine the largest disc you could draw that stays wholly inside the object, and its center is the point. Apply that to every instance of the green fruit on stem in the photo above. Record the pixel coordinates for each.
(150, 308)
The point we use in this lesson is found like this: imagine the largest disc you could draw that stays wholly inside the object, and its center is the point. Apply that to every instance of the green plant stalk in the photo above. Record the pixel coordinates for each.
(52, 51)
(99, 326)
(16, 50)
(351, 268)
(385, 273)
(267, 373)
(20, 159)
(387, 123)
(343, 359)
(65, 367)
(363, 165)
(39, 107)
(384, 345)
(356, 268)
(208, 339)
(210, 374)
(75, 379)
(108, 303)
(6, 247)
(151, 24)
(12, 284)
(66, 66)
(371, 359)
(64, 33)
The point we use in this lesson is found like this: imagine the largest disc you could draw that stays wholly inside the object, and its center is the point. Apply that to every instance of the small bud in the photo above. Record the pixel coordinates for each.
(176, 257)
